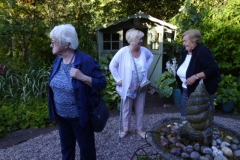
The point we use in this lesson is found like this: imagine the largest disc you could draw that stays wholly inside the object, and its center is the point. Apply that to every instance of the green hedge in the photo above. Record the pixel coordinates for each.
(16, 116)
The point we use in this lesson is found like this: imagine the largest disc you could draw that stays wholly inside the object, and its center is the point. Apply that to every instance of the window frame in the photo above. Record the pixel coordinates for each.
(111, 41)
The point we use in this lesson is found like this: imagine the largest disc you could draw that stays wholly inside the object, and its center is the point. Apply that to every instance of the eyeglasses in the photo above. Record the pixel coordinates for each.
(54, 43)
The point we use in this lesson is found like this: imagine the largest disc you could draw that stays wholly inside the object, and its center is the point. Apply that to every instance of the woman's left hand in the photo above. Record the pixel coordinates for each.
(190, 80)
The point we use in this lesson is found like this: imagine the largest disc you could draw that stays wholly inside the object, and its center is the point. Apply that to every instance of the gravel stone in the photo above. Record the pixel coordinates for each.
(108, 147)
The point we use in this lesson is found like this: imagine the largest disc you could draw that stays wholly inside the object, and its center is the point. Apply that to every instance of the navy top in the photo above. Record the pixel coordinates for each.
(202, 61)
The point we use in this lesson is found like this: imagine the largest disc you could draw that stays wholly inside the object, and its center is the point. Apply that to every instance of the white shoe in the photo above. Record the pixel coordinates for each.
(142, 134)
(123, 134)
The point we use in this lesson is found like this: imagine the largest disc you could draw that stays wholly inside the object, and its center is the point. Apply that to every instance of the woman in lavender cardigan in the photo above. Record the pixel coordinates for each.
(129, 67)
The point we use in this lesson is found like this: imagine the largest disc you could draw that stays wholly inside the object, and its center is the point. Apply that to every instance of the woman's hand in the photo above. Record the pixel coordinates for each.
(191, 80)
(119, 83)
(77, 74)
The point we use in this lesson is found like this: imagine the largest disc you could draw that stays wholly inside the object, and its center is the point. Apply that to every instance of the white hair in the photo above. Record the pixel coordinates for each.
(65, 33)
(132, 35)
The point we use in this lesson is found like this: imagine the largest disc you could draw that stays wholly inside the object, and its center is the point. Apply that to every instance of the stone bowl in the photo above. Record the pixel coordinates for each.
(154, 139)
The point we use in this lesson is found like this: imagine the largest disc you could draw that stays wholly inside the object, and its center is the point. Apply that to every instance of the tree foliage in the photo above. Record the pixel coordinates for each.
(161, 9)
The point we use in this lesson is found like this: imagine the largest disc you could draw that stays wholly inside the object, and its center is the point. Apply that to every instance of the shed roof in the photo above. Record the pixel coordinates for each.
(139, 15)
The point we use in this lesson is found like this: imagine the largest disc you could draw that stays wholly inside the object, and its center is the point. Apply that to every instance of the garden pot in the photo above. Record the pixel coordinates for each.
(228, 106)
(177, 97)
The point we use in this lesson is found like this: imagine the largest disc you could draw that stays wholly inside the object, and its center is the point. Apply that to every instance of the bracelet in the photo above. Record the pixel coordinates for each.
(196, 76)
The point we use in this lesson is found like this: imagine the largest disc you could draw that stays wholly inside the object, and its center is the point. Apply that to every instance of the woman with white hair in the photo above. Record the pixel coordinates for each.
(75, 76)
(129, 67)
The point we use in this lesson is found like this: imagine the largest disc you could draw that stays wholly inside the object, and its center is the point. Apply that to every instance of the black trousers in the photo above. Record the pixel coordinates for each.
(70, 131)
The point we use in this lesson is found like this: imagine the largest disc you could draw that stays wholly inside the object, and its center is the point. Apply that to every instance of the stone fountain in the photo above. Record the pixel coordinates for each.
(200, 111)
(198, 137)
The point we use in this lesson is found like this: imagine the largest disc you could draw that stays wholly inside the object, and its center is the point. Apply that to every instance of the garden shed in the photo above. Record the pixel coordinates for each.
(111, 37)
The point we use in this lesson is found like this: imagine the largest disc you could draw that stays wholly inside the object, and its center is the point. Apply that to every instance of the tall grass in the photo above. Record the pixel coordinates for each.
(22, 87)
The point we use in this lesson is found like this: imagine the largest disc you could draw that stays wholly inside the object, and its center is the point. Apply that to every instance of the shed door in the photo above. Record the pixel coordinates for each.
(156, 68)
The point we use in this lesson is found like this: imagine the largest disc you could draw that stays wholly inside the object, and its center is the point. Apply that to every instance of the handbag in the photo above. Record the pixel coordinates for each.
(142, 87)
(99, 115)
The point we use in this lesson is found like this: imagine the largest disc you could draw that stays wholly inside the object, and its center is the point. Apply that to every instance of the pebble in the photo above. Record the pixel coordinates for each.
(227, 152)
(237, 153)
(224, 144)
(207, 150)
(176, 151)
(197, 147)
(195, 155)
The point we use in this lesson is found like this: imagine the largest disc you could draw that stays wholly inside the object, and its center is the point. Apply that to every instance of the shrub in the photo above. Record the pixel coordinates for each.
(109, 94)
(16, 116)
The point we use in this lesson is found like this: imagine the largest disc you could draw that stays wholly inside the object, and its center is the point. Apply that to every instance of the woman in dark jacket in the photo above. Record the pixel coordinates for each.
(197, 62)
(74, 76)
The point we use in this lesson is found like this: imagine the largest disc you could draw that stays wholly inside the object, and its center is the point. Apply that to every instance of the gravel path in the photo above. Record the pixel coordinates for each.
(47, 147)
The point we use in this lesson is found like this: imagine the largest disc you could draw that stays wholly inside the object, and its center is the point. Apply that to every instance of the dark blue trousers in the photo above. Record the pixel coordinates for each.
(184, 102)
(70, 131)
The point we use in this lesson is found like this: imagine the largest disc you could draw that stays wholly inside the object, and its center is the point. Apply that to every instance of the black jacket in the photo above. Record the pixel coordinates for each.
(202, 61)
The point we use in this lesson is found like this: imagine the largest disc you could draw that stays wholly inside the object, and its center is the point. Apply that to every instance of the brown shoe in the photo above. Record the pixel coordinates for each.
(123, 134)
(142, 134)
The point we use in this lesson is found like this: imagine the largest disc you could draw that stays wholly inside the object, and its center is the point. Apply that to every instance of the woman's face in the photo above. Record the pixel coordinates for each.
(188, 44)
(138, 42)
(57, 48)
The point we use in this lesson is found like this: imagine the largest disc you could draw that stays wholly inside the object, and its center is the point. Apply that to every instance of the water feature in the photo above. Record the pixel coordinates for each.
(198, 137)
(165, 138)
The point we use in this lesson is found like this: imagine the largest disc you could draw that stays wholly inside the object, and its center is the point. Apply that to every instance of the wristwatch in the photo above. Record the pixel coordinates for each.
(196, 76)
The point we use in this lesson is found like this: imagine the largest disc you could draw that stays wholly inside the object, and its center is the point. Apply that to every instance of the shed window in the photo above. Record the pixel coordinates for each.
(111, 41)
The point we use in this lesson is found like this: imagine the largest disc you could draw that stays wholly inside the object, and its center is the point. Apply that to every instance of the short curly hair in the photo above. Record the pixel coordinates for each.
(65, 33)
(132, 35)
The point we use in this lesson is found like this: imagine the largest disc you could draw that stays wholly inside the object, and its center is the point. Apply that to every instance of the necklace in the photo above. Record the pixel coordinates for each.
(66, 67)
(71, 59)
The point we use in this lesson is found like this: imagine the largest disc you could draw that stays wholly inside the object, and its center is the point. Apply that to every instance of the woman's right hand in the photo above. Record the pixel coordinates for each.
(119, 83)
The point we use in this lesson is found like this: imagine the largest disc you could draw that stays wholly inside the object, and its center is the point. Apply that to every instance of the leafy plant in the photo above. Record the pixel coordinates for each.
(166, 82)
(31, 114)
(21, 87)
(228, 89)
(109, 94)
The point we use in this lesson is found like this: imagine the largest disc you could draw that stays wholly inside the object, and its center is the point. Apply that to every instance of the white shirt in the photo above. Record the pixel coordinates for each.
(181, 72)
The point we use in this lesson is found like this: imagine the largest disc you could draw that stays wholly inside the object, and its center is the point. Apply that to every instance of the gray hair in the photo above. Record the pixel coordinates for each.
(194, 35)
(132, 35)
(65, 33)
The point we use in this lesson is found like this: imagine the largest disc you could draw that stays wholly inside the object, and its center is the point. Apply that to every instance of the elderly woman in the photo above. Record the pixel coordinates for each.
(129, 67)
(197, 62)
(74, 76)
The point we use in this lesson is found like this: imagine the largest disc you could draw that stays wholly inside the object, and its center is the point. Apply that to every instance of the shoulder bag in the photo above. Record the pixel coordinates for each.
(99, 114)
